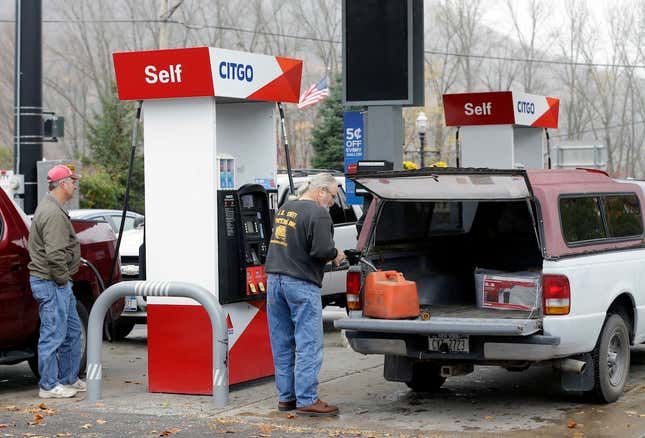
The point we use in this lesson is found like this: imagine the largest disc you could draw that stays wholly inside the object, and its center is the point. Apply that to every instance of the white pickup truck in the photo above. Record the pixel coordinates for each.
(578, 232)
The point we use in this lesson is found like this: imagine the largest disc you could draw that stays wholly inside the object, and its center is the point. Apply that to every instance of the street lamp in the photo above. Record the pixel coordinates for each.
(422, 125)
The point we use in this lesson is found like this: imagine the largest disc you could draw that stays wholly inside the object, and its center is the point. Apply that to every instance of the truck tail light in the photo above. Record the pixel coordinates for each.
(556, 294)
(354, 290)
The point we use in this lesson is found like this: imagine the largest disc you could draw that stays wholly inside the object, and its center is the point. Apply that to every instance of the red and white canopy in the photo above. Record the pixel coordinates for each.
(206, 71)
(501, 108)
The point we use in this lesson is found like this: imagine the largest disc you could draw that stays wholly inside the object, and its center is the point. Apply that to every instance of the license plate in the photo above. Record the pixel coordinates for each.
(449, 343)
(131, 304)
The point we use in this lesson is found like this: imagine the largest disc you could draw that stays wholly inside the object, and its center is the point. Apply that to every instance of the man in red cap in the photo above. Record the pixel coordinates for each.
(55, 256)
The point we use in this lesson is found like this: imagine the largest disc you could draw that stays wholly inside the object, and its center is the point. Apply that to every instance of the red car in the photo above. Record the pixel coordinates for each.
(19, 310)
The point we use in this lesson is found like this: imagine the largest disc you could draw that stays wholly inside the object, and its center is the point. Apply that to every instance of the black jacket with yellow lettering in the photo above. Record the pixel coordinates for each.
(302, 241)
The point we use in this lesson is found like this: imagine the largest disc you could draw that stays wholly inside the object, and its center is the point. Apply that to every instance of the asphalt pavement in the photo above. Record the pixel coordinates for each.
(489, 402)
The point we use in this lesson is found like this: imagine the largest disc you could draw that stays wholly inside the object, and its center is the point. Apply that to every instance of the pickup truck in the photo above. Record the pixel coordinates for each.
(578, 232)
(18, 310)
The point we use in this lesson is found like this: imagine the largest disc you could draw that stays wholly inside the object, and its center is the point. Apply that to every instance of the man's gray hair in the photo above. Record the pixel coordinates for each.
(318, 181)
(53, 185)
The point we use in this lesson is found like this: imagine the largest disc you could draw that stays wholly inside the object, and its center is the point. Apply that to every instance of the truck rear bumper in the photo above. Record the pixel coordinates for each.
(482, 348)
(436, 325)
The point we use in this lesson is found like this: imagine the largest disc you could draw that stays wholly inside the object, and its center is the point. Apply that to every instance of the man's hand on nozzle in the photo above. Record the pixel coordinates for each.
(339, 257)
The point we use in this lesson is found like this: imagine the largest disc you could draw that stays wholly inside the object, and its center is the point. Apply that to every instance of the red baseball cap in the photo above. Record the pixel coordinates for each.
(59, 172)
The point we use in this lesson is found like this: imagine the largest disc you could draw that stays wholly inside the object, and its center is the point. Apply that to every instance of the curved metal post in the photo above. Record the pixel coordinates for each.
(159, 289)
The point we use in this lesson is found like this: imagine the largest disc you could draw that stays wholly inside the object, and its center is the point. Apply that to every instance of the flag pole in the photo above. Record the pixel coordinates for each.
(286, 148)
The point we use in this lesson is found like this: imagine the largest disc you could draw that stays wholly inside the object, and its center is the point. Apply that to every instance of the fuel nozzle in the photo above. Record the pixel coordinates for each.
(354, 257)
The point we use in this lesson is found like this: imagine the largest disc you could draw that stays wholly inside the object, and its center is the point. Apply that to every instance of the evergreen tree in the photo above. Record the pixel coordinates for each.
(6, 158)
(109, 138)
(327, 135)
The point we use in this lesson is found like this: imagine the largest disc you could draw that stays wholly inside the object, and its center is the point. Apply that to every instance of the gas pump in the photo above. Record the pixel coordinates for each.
(210, 137)
(244, 228)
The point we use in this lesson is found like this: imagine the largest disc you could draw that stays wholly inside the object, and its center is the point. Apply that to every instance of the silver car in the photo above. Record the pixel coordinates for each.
(112, 217)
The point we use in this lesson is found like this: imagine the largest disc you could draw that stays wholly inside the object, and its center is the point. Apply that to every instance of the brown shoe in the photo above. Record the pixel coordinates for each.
(318, 409)
(286, 405)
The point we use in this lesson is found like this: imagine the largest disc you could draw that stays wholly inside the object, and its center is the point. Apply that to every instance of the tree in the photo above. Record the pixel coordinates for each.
(6, 158)
(327, 135)
(99, 190)
(109, 139)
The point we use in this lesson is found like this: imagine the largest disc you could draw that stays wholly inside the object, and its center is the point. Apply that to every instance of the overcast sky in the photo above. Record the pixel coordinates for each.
(495, 15)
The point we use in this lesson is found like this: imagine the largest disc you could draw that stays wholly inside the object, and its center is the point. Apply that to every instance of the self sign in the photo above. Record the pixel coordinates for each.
(480, 110)
(171, 74)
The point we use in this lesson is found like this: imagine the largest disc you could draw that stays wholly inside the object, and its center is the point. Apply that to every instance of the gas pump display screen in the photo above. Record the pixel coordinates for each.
(247, 201)
(251, 226)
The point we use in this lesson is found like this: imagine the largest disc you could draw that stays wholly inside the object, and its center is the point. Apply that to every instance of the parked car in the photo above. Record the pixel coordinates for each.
(112, 217)
(134, 309)
(18, 309)
(572, 239)
(344, 217)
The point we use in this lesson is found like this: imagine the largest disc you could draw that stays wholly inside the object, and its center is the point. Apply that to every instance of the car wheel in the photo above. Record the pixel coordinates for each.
(84, 317)
(426, 377)
(611, 360)
(123, 327)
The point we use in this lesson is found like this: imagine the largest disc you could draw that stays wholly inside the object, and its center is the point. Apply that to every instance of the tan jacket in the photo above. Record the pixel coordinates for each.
(53, 246)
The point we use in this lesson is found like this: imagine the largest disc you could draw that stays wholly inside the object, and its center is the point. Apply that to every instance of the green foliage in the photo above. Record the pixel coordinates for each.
(327, 135)
(6, 158)
(109, 138)
(98, 189)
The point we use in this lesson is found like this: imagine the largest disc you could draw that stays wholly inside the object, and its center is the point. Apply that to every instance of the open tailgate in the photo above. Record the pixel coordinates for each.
(446, 184)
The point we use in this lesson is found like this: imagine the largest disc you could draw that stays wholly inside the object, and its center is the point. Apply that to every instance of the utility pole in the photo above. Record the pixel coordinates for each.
(165, 13)
(163, 26)
(28, 97)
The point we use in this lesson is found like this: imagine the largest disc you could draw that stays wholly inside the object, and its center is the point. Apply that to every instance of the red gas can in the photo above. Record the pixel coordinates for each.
(389, 295)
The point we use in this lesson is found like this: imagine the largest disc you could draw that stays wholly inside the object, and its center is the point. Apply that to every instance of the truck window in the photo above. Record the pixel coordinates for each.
(342, 212)
(623, 215)
(581, 219)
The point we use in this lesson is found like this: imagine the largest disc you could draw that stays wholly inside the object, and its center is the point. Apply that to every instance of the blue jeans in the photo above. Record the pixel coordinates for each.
(59, 344)
(294, 311)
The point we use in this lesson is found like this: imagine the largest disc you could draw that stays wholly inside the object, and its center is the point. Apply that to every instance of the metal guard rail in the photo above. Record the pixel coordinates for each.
(158, 289)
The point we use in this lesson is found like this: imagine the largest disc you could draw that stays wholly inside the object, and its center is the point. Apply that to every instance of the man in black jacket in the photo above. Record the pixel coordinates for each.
(301, 244)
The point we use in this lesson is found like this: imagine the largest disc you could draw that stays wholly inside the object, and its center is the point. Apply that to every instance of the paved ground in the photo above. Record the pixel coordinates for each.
(489, 402)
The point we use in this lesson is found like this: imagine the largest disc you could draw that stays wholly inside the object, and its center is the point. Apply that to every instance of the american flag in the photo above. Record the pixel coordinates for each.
(314, 94)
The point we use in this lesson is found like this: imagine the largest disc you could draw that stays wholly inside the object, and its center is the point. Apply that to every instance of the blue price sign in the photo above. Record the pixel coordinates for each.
(354, 148)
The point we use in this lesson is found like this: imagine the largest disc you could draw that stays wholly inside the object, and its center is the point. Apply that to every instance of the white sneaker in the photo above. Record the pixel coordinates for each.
(58, 391)
(79, 386)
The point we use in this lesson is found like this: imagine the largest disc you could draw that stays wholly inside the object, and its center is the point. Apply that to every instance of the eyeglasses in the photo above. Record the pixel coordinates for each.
(328, 191)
